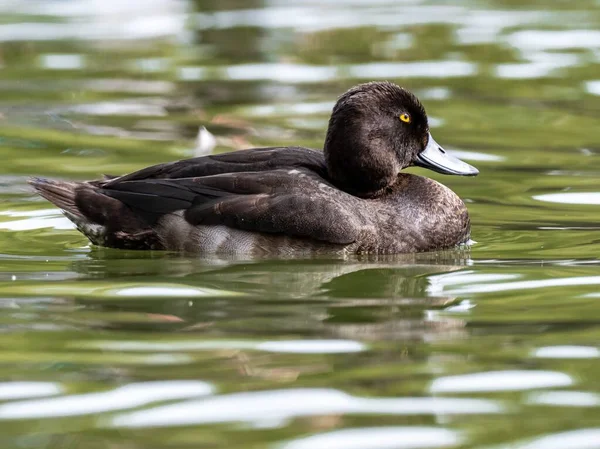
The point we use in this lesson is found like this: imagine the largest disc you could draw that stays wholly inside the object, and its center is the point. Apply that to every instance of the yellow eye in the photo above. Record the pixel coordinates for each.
(405, 118)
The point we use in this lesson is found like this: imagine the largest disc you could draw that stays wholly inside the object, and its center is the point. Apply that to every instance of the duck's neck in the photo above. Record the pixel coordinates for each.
(358, 166)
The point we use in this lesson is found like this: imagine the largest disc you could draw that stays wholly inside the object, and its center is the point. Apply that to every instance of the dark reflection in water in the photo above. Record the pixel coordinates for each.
(373, 299)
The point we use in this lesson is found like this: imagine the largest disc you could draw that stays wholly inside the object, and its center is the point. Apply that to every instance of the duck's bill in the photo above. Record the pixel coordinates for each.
(435, 158)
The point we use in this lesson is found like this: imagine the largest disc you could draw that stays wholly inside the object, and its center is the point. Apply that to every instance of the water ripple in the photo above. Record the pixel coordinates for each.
(554, 40)
(278, 406)
(280, 346)
(565, 398)
(500, 381)
(303, 73)
(574, 439)
(526, 285)
(121, 398)
(593, 87)
(378, 438)
(38, 219)
(567, 352)
(570, 198)
(22, 390)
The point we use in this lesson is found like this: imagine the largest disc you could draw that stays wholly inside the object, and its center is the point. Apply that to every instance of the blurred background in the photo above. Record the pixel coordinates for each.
(490, 347)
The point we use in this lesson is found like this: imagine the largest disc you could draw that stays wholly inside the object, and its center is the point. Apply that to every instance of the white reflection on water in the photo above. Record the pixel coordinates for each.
(421, 69)
(280, 346)
(100, 291)
(525, 285)
(486, 26)
(516, 380)
(574, 439)
(462, 307)
(567, 352)
(538, 67)
(94, 19)
(124, 85)
(378, 438)
(434, 93)
(314, 18)
(146, 108)
(469, 282)
(278, 406)
(164, 291)
(570, 198)
(302, 73)
(439, 284)
(565, 398)
(38, 219)
(474, 26)
(121, 398)
(311, 346)
(290, 73)
(554, 40)
(593, 87)
(22, 390)
(62, 61)
(270, 110)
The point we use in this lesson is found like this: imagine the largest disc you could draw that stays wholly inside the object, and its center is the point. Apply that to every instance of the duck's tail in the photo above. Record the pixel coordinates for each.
(105, 221)
(63, 194)
(59, 193)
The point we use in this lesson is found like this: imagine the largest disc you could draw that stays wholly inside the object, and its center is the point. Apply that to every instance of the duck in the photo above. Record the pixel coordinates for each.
(352, 197)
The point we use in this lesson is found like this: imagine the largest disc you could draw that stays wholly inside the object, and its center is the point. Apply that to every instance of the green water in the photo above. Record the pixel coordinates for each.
(493, 347)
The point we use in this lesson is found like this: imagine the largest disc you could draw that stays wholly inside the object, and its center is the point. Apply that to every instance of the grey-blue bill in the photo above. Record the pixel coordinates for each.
(435, 158)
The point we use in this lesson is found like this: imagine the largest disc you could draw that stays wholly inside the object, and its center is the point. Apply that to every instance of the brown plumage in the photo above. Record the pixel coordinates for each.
(349, 198)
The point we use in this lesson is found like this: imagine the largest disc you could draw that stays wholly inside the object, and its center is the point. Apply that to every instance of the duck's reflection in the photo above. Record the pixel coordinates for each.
(364, 298)
(371, 276)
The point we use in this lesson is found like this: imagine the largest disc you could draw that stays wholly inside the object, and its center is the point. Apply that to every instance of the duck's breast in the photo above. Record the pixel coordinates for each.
(421, 215)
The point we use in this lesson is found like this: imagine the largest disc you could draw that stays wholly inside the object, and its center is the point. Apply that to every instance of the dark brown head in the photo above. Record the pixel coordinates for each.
(377, 129)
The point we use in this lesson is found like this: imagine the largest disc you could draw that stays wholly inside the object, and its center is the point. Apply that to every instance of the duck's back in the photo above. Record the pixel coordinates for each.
(251, 160)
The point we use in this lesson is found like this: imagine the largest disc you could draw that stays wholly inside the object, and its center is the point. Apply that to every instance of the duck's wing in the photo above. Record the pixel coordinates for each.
(290, 202)
(251, 160)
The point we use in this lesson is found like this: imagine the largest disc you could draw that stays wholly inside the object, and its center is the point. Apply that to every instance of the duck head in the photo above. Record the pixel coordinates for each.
(377, 129)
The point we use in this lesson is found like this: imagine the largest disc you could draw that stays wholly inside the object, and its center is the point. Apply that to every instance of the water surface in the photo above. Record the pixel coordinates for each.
(495, 346)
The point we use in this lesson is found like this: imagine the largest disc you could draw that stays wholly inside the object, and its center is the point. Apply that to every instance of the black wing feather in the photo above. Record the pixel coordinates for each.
(270, 202)
(292, 215)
